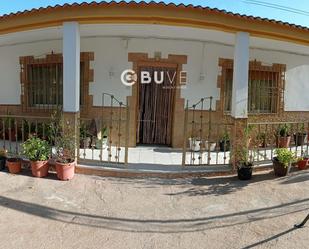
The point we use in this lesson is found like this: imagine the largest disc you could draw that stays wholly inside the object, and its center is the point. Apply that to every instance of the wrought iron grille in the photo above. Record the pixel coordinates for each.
(265, 137)
(207, 140)
(105, 138)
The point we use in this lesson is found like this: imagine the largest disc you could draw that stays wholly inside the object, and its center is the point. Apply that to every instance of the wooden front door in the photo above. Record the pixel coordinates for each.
(156, 104)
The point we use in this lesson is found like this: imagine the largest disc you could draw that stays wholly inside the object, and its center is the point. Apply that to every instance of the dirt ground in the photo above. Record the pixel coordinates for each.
(94, 212)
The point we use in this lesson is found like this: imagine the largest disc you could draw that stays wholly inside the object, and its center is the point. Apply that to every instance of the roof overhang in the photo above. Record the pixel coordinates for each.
(153, 13)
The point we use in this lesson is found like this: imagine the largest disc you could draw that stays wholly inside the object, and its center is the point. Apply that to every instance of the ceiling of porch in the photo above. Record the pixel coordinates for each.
(130, 31)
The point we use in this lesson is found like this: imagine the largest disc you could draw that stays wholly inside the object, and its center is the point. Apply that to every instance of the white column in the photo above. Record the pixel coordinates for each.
(71, 67)
(240, 76)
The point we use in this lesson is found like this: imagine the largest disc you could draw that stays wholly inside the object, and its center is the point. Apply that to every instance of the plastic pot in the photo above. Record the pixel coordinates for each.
(279, 168)
(14, 165)
(244, 171)
(65, 171)
(299, 138)
(224, 145)
(283, 142)
(302, 164)
(39, 168)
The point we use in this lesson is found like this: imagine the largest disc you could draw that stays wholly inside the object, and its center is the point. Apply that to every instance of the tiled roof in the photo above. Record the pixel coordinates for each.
(152, 3)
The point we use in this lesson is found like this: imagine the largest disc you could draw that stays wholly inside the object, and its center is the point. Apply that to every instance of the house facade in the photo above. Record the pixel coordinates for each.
(244, 69)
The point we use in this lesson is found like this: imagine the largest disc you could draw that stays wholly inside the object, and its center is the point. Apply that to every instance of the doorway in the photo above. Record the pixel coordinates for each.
(156, 105)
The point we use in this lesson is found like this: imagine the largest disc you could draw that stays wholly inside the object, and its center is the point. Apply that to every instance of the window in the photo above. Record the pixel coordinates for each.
(264, 84)
(42, 81)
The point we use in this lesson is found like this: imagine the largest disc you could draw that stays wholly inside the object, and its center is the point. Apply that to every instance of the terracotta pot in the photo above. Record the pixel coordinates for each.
(283, 142)
(279, 168)
(302, 164)
(39, 168)
(14, 165)
(65, 171)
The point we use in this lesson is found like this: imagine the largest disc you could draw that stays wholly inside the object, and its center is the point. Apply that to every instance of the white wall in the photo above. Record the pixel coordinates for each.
(111, 55)
(297, 77)
(10, 88)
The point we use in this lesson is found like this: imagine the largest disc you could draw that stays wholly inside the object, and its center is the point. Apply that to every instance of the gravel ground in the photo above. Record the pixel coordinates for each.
(93, 212)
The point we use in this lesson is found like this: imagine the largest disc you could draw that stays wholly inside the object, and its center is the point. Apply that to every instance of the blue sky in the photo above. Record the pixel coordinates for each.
(296, 11)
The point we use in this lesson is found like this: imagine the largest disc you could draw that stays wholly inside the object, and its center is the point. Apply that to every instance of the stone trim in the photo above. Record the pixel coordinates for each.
(258, 66)
(88, 73)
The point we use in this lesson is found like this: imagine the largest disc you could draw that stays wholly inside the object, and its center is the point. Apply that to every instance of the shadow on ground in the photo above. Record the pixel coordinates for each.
(154, 225)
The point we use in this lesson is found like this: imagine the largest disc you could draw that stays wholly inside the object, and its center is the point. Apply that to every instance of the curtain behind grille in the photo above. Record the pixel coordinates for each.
(156, 107)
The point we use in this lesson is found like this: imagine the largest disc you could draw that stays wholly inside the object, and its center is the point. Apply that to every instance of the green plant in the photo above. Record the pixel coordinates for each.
(284, 129)
(285, 156)
(241, 153)
(104, 132)
(225, 137)
(83, 131)
(302, 128)
(36, 149)
(64, 137)
(248, 129)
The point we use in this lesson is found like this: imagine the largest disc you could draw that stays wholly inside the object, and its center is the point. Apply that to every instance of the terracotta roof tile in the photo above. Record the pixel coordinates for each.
(152, 3)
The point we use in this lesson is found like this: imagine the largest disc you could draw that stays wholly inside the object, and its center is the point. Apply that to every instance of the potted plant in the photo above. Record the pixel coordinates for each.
(282, 162)
(63, 134)
(224, 143)
(3, 157)
(299, 137)
(261, 138)
(302, 163)
(14, 164)
(283, 136)
(195, 143)
(244, 165)
(85, 139)
(38, 152)
(211, 146)
(102, 140)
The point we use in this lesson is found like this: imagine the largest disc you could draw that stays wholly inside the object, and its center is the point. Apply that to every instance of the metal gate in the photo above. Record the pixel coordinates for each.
(207, 139)
(105, 138)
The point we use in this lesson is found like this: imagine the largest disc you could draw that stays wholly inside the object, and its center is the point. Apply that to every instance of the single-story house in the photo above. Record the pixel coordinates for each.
(148, 64)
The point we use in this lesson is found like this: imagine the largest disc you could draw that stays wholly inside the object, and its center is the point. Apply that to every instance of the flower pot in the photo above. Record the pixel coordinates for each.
(101, 143)
(2, 163)
(65, 171)
(302, 164)
(210, 146)
(299, 138)
(39, 168)
(14, 165)
(195, 144)
(244, 171)
(224, 145)
(283, 142)
(279, 168)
